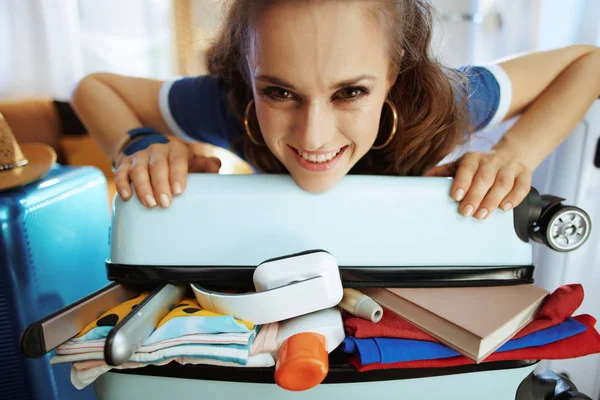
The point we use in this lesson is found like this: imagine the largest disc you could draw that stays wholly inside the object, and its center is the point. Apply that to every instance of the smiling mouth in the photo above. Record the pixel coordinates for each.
(318, 161)
(321, 157)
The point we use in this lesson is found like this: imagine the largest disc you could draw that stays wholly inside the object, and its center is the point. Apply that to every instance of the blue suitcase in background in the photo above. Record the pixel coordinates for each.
(53, 245)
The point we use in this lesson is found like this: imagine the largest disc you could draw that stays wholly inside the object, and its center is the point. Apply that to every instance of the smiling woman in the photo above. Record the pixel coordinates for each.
(323, 88)
(331, 84)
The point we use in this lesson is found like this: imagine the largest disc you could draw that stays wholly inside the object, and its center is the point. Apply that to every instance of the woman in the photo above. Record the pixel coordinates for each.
(319, 89)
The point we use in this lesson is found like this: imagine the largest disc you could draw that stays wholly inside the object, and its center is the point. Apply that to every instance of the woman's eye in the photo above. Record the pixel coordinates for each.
(277, 93)
(351, 93)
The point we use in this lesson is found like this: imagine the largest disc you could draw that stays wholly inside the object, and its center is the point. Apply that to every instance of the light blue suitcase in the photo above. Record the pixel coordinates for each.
(53, 242)
(383, 231)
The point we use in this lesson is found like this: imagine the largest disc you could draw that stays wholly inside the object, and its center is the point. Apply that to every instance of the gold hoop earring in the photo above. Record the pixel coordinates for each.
(393, 133)
(247, 125)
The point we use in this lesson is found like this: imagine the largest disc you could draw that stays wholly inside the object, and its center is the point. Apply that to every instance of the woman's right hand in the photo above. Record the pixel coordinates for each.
(159, 172)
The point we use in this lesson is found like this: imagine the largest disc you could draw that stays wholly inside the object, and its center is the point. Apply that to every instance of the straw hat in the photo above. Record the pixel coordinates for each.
(22, 164)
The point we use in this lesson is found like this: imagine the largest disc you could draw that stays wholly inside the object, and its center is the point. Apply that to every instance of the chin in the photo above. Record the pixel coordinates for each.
(315, 183)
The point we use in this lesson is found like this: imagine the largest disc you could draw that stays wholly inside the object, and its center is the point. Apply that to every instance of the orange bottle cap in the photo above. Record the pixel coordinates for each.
(302, 361)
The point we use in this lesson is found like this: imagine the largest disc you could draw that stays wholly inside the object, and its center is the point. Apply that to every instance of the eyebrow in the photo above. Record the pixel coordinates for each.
(347, 82)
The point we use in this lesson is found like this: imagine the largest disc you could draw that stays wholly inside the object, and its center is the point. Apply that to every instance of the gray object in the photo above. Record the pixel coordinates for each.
(129, 334)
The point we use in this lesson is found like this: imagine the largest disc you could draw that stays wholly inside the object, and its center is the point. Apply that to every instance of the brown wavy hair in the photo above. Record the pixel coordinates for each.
(430, 98)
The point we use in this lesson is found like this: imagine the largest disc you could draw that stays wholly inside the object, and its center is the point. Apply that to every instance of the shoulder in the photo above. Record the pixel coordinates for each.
(489, 93)
(201, 86)
(196, 109)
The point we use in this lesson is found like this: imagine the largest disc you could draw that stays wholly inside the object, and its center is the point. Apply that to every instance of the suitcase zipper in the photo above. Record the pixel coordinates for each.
(364, 278)
(357, 277)
(340, 373)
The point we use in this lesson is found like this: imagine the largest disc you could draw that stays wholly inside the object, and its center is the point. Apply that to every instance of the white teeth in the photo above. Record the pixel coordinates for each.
(319, 158)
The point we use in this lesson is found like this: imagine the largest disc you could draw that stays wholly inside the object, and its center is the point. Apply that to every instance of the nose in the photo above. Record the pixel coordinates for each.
(316, 127)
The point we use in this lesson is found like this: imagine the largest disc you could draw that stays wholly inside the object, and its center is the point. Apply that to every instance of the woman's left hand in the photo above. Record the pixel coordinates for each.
(483, 182)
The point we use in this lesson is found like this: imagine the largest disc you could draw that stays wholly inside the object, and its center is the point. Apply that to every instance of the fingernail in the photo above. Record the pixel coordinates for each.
(124, 193)
(177, 188)
(481, 213)
(150, 201)
(507, 206)
(164, 200)
(458, 195)
(467, 211)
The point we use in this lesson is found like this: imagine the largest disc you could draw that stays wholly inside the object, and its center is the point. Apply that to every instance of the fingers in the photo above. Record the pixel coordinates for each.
(519, 191)
(159, 172)
(140, 178)
(463, 179)
(158, 166)
(481, 182)
(503, 184)
(148, 172)
(122, 179)
(178, 169)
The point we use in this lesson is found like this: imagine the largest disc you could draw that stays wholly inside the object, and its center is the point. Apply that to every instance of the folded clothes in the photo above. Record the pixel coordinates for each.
(186, 335)
(265, 341)
(90, 346)
(392, 350)
(186, 331)
(557, 308)
(100, 328)
(582, 344)
(86, 372)
(225, 352)
(196, 321)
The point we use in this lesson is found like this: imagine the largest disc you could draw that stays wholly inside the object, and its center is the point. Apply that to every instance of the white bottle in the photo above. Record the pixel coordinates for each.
(304, 344)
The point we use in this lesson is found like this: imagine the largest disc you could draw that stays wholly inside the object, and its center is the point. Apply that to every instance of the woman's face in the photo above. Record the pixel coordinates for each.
(320, 74)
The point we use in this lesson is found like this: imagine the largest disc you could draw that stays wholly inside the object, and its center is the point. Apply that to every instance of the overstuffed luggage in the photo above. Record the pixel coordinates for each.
(382, 231)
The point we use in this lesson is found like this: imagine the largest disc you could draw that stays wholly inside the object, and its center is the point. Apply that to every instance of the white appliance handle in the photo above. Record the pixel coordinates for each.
(271, 305)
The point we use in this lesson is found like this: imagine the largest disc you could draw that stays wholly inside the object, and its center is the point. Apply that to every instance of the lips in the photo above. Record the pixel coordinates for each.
(319, 158)
(318, 161)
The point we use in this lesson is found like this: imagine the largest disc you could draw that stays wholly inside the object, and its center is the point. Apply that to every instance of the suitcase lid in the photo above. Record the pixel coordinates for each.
(368, 221)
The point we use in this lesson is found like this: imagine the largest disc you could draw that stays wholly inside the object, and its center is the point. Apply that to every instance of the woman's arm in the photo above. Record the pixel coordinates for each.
(110, 105)
(551, 92)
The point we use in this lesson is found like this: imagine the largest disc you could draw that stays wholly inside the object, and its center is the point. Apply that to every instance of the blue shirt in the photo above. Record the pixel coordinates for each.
(392, 350)
(196, 108)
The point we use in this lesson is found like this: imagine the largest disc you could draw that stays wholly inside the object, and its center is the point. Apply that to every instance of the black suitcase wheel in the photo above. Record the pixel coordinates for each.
(545, 385)
(563, 228)
(546, 220)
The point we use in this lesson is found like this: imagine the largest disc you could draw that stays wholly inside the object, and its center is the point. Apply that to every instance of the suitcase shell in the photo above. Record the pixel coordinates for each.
(53, 244)
(383, 231)
(377, 229)
(501, 383)
(379, 221)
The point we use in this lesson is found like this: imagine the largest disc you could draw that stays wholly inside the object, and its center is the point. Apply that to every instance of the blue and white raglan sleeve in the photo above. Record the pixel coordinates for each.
(489, 95)
(195, 109)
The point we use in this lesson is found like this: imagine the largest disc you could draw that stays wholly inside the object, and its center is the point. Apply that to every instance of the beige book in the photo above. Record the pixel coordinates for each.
(473, 321)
